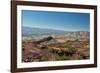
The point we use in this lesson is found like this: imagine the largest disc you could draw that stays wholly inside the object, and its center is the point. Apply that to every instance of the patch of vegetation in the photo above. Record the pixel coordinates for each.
(62, 57)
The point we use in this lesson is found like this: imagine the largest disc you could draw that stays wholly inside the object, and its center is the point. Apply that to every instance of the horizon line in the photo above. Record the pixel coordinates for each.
(57, 29)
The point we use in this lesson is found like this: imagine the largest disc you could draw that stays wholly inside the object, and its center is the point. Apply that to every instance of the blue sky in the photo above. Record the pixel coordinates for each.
(67, 21)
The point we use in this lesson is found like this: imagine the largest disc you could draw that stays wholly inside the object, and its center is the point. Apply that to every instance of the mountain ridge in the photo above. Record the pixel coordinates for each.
(27, 31)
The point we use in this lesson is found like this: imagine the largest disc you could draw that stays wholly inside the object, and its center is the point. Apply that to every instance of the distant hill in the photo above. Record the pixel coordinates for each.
(27, 31)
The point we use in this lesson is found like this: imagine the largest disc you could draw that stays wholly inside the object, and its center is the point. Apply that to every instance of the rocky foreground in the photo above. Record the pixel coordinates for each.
(51, 48)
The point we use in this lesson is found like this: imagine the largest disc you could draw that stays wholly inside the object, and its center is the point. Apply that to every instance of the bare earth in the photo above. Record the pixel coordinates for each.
(54, 48)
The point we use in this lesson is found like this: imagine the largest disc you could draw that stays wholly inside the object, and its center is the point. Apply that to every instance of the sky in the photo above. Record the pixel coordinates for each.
(67, 21)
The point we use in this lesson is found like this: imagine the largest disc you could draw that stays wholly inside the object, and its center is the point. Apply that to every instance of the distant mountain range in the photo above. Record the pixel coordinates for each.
(28, 31)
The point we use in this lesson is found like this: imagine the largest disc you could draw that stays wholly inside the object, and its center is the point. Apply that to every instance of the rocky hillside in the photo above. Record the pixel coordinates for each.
(50, 49)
